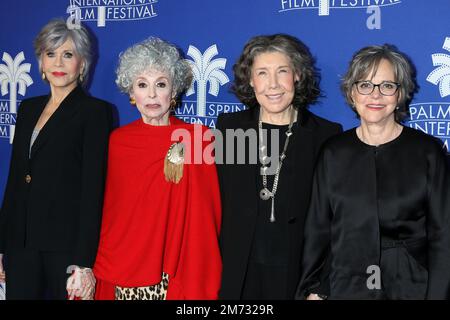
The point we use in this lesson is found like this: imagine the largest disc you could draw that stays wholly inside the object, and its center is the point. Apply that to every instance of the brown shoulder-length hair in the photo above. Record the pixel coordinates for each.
(307, 89)
(365, 64)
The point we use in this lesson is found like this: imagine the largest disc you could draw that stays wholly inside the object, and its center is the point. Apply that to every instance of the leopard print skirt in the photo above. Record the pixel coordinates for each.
(154, 292)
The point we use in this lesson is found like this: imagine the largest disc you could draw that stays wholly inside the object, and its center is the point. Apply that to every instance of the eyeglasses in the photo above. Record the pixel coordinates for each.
(387, 88)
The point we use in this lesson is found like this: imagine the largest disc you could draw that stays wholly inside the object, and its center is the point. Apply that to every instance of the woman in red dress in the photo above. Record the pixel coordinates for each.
(162, 214)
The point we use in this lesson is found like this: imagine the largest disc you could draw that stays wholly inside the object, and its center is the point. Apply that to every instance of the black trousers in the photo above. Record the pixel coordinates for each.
(36, 275)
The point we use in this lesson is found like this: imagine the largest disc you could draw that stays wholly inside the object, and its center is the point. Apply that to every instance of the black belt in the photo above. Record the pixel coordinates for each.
(387, 243)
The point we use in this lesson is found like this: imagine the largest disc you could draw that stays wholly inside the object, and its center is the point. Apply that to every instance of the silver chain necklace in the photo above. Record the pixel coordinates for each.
(266, 194)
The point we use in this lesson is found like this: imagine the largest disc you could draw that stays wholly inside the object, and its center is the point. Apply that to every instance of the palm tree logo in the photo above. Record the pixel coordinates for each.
(441, 75)
(206, 71)
(16, 75)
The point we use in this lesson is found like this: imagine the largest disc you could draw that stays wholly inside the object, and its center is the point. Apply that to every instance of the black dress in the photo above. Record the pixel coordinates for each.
(266, 273)
(379, 211)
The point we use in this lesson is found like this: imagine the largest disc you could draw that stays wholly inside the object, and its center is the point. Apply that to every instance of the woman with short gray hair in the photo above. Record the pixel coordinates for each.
(55, 34)
(51, 213)
(157, 54)
(370, 57)
(378, 224)
(162, 215)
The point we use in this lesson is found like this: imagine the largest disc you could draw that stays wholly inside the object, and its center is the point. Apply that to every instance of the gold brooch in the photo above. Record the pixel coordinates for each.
(174, 162)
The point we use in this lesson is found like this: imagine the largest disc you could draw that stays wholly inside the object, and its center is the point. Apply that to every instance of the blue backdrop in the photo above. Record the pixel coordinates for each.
(213, 33)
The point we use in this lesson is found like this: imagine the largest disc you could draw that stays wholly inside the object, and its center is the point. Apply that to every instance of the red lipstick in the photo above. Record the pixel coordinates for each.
(58, 74)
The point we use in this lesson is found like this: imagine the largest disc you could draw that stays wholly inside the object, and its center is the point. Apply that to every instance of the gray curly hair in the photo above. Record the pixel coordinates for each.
(157, 54)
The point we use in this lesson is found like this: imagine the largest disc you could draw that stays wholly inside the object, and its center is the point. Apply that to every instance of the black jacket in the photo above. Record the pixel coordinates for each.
(53, 200)
(381, 214)
(239, 191)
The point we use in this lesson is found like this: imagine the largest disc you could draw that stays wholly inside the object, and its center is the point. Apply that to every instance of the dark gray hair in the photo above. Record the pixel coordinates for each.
(157, 54)
(307, 89)
(365, 62)
(55, 33)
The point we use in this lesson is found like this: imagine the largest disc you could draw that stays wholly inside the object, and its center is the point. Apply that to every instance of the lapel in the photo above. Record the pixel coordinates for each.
(32, 118)
(303, 157)
(248, 121)
(255, 168)
(58, 119)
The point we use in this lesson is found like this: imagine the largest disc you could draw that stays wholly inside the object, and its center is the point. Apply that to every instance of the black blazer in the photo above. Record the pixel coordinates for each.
(53, 200)
(239, 191)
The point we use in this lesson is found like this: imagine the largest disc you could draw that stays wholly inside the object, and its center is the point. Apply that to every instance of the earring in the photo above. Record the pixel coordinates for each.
(397, 107)
(173, 103)
(81, 77)
(132, 101)
(43, 75)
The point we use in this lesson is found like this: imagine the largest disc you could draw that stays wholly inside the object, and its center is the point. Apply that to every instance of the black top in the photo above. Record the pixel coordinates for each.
(386, 207)
(270, 243)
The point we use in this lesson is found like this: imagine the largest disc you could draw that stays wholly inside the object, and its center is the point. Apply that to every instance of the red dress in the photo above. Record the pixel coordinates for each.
(151, 225)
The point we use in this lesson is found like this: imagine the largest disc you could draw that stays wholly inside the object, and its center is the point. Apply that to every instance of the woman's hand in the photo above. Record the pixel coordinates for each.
(2, 270)
(87, 284)
(81, 284)
(313, 296)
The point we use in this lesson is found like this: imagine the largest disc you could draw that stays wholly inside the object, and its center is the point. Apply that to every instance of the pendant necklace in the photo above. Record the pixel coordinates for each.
(265, 193)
